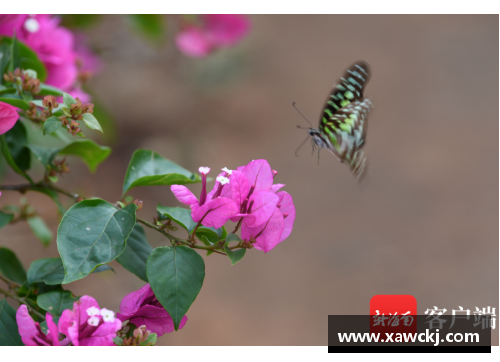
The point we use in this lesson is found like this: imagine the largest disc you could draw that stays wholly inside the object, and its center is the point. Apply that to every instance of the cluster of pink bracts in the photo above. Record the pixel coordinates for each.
(88, 325)
(248, 196)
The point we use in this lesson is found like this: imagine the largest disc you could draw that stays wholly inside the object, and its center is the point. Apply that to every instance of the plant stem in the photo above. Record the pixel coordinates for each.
(237, 226)
(190, 242)
(8, 282)
(20, 300)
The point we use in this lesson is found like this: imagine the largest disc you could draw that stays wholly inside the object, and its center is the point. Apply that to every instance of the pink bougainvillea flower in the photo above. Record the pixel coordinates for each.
(215, 31)
(87, 325)
(211, 210)
(247, 196)
(267, 235)
(31, 333)
(266, 214)
(8, 117)
(226, 29)
(193, 42)
(63, 56)
(142, 308)
(276, 229)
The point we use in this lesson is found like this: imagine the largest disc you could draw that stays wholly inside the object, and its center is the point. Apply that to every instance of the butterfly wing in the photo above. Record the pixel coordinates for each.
(346, 131)
(349, 88)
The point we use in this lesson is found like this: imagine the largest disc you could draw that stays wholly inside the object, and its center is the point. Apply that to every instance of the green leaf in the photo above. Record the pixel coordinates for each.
(5, 219)
(57, 301)
(40, 229)
(91, 122)
(48, 90)
(16, 102)
(52, 124)
(51, 271)
(47, 270)
(176, 276)
(5, 90)
(232, 237)
(236, 255)
(148, 168)
(68, 100)
(15, 60)
(136, 253)
(212, 234)
(10, 161)
(11, 267)
(4, 59)
(151, 26)
(9, 334)
(103, 268)
(150, 341)
(79, 20)
(28, 59)
(118, 341)
(92, 233)
(16, 139)
(43, 325)
(90, 152)
(43, 154)
(181, 216)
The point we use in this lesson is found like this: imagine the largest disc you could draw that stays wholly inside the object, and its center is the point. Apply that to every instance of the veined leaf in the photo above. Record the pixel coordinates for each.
(91, 233)
(136, 253)
(176, 276)
(148, 168)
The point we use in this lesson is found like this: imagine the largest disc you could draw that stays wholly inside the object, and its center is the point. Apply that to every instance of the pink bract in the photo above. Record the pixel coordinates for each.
(55, 46)
(8, 117)
(215, 212)
(215, 31)
(142, 308)
(268, 234)
(77, 324)
(31, 333)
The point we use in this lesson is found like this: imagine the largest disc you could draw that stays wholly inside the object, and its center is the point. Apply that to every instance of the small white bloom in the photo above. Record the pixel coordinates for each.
(93, 311)
(93, 321)
(225, 169)
(204, 170)
(223, 180)
(31, 25)
(107, 315)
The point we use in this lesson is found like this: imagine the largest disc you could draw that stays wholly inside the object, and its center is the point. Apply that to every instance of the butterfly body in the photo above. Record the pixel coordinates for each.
(343, 122)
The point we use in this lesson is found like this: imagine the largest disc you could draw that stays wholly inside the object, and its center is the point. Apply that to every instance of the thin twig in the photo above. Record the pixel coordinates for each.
(9, 282)
(20, 300)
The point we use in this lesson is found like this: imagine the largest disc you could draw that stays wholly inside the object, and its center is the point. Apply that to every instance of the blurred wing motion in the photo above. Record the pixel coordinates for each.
(343, 123)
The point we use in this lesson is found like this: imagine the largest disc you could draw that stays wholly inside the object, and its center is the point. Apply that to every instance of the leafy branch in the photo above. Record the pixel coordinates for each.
(23, 188)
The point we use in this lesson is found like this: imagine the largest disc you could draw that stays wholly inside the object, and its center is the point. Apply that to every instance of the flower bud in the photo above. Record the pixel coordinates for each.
(50, 102)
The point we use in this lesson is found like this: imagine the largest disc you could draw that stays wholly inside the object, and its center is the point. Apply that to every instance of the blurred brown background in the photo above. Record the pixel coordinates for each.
(425, 222)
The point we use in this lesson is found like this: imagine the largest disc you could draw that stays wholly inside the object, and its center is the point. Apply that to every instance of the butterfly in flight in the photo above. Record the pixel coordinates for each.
(343, 122)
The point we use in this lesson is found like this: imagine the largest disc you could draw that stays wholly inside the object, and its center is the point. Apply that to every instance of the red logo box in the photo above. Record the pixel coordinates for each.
(393, 314)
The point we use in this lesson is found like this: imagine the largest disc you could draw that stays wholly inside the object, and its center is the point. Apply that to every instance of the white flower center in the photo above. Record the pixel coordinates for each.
(93, 321)
(228, 171)
(31, 25)
(93, 311)
(107, 315)
(204, 170)
(223, 180)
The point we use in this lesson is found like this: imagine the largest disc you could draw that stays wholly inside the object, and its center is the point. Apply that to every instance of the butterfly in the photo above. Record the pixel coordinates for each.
(343, 122)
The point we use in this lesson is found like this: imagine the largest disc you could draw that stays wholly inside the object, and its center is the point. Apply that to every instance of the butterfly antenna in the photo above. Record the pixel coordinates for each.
(319, 149)
(302, 144)
(293, 104)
